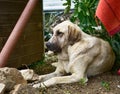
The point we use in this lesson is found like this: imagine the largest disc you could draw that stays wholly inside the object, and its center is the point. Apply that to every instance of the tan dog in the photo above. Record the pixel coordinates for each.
(80, 54)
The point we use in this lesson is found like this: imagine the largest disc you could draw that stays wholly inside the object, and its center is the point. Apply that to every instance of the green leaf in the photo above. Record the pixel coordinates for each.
(79, 9)
(65, 4)
(67, 9)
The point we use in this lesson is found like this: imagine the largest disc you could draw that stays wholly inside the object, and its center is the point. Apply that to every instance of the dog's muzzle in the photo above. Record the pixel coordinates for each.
(53, 47)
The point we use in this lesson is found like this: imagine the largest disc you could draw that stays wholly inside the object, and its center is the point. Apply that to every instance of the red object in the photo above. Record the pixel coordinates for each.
(16, 33)
(118, 72)
(108, 11)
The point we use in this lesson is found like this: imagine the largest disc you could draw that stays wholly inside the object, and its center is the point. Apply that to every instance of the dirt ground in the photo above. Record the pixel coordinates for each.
(106, 83)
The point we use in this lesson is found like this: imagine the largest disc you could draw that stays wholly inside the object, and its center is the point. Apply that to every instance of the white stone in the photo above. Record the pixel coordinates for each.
(27, 74)
(2, 88)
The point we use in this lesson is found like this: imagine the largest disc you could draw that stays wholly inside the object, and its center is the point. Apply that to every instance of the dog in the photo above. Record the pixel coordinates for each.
(79, 54)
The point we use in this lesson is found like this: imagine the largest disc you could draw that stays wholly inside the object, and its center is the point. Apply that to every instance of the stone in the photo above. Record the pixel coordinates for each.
(2, 88)
(10, 77)
(29, 75)
(24, 89)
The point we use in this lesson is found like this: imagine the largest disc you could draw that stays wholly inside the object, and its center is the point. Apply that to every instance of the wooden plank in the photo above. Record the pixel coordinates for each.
(30, 47)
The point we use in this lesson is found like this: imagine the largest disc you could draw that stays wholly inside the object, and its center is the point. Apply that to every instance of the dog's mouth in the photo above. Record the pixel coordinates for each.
(53, 47)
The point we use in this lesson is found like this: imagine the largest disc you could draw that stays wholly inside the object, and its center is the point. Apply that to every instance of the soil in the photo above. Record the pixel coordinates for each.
(106, 83)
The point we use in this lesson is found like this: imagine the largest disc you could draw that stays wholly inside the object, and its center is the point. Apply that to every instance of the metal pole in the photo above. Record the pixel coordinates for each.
(17, 31)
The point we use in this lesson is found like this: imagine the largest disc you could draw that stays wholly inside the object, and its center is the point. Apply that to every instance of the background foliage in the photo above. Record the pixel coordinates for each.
(84, 13)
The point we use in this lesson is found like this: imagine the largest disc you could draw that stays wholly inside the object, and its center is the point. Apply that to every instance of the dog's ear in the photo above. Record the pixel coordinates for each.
(74, 34)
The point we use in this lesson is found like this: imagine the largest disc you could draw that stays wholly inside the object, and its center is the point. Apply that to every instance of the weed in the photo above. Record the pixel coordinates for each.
(106, 85)
(67, 92)
(82, 81)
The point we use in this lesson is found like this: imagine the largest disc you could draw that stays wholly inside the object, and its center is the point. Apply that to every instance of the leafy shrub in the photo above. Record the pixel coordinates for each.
(49, 19)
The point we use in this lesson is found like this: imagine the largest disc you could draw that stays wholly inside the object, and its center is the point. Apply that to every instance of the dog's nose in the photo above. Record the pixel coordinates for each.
(53, 47)
(48, 44)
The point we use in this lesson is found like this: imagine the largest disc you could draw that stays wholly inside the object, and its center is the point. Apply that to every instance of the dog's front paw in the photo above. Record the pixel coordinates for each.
(39, 85)
(42, 78)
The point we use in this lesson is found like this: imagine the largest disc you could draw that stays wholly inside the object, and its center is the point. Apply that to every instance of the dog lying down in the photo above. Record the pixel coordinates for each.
(79, 54)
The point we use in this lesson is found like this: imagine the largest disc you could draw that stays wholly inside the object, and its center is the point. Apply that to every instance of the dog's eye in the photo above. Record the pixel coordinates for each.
(59, 33)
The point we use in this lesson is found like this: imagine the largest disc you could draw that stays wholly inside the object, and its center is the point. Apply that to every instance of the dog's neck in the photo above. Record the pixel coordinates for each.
(64, 54)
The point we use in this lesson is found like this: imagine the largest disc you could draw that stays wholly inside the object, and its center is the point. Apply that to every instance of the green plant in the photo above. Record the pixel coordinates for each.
(67, 92)
(82, 81)
(106, 85)
(83, 12)
(49, 18)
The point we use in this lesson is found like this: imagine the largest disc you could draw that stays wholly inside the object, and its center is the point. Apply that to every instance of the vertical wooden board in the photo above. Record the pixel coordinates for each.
(30, 47)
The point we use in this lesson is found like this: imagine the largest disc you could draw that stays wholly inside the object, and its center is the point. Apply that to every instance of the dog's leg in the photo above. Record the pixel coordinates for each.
(78, 72)
(58, 72)
(48, 76)
(59, 80)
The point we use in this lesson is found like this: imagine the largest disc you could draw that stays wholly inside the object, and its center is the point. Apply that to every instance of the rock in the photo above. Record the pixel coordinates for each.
(49, 53)
(24, 89)
(10, 77)
(50, 57)
(54, 64)
(29, 74)
(118, 86)
(2, 88)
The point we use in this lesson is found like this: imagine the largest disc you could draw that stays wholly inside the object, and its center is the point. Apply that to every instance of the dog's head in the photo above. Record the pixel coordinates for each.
(64, 34)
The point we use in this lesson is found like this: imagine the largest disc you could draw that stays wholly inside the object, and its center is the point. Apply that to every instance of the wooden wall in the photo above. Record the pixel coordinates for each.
(30, 47)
